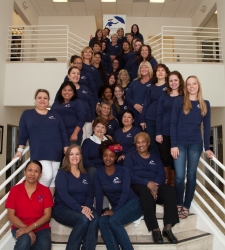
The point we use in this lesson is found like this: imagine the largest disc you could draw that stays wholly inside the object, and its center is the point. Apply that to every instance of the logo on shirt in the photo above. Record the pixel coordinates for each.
(85, 181)
(67, 105)
(116, 180)
(125, 107)
(148, 85)
(129, 135)
(84, 92)
(198, 106)
(110, 126)
(92, 68)
(164, 89)
(40, 198)
(152, 162)
(83, 77)
(51, 117)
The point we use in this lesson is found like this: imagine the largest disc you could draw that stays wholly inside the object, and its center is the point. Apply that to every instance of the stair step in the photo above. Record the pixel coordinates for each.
(132, 229)
(188, 240)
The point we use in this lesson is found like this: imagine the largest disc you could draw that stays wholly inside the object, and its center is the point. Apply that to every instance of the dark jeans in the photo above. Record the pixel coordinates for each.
(151, 131)
(188, 155)
(43, 240)
(83, 229)
(166, 197)
(112, 227)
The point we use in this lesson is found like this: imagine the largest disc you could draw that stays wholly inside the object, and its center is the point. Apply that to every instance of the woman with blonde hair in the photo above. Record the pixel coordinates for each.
(123, 80)
(87, 57)
(74, 201)
(121, 37)
(137, 90)
(188, 113)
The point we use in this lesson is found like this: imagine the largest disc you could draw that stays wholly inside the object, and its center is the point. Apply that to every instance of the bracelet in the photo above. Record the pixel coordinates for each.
(20, 150)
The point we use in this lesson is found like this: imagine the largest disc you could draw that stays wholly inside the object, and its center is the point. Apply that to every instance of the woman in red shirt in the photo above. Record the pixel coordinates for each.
(29, 207)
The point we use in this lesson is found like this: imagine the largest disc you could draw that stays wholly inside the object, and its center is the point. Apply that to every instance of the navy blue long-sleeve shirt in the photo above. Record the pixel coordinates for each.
(136, 94)
(126, 139)
(119, 115)
(164, 112)
(73, 114)
(116, 187)
(144, 170)
(113, 125)
(151, 102)
(186, 129)
(114, 50)
(73, 192)
(106, 63)
(46, 135)
(139, 36)
(91, 154)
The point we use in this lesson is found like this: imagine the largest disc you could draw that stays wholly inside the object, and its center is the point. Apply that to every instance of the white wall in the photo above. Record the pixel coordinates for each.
(31, 76)
(82, 26)
(17, 20)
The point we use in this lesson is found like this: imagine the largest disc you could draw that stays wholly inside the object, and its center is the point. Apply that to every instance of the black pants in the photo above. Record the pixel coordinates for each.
(166, 197)
(164, 150)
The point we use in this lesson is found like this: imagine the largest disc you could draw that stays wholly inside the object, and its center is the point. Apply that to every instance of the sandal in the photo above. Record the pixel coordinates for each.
(180, 211)
(185, 213)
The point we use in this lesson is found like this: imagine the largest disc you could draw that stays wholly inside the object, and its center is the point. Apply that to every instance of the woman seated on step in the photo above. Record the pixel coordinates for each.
(148, 182)
(74, 201)
(114, 182)
(29, 207)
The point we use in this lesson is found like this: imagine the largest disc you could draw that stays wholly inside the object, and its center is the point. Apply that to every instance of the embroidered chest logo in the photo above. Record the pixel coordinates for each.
(85, 181)
(129, 135)
(116, 180)
(164, 89)
(125, 107)
(84, 92)
(110, 126)
(67, 105)
(83, 77)
(152, 162)
(198, 106)
(51, 117)
(148, 85)
(40, 198)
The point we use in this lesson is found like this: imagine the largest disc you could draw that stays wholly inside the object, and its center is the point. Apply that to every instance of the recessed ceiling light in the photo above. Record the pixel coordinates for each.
(60, 1)
(108, 1)
(157, 1)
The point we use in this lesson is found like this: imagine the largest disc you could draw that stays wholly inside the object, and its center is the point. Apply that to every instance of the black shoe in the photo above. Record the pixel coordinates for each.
(157, 237)
(170, 236)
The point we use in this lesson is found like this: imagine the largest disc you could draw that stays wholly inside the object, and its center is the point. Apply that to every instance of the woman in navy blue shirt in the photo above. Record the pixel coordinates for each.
(114, 182)
(148, 182)
(138, 89)
(125, 135)
(135, 32)
(188, 113)
(175, 88)
(72, 111)
(124, 55)
(46, 133)
(114, 47)
(74, 202)
(106, 112)
(124, 80)
(121, 37)
(148, 115)
(119, 105)
(98, 37)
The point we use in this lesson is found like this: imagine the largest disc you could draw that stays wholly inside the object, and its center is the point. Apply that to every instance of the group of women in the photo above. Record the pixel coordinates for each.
(136, 131)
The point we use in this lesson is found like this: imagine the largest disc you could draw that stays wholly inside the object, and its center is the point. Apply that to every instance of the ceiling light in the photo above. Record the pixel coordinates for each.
(60, 1)
(157, 1)
(108, 1)
(215, 12)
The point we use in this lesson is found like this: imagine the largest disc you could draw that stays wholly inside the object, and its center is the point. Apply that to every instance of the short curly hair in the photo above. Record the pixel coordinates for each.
(105, 145)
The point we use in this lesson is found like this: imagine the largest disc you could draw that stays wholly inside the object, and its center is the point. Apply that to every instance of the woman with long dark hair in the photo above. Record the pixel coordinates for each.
(98, 37)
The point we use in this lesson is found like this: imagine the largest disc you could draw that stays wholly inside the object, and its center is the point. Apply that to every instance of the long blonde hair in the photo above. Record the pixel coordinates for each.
(123, 71)
(187, 103)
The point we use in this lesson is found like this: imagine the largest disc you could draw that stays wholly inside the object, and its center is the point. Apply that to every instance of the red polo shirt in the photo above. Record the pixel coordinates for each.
(29, 210)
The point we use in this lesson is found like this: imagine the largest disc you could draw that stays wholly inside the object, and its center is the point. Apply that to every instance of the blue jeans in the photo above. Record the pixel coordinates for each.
(190, 154)
(83, 229)
(151, 131)
(43, 240)
(112, 227)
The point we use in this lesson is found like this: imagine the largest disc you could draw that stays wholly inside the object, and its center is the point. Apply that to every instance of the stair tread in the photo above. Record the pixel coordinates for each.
(143, 239)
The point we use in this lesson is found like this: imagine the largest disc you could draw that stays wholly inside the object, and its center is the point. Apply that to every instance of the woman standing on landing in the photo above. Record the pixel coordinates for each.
(175, 88)
(188, 113)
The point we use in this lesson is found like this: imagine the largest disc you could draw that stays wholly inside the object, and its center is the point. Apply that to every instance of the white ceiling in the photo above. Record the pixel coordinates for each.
(135, 8)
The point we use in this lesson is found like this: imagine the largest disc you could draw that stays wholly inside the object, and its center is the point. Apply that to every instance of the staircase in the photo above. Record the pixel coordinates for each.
(189, 236)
